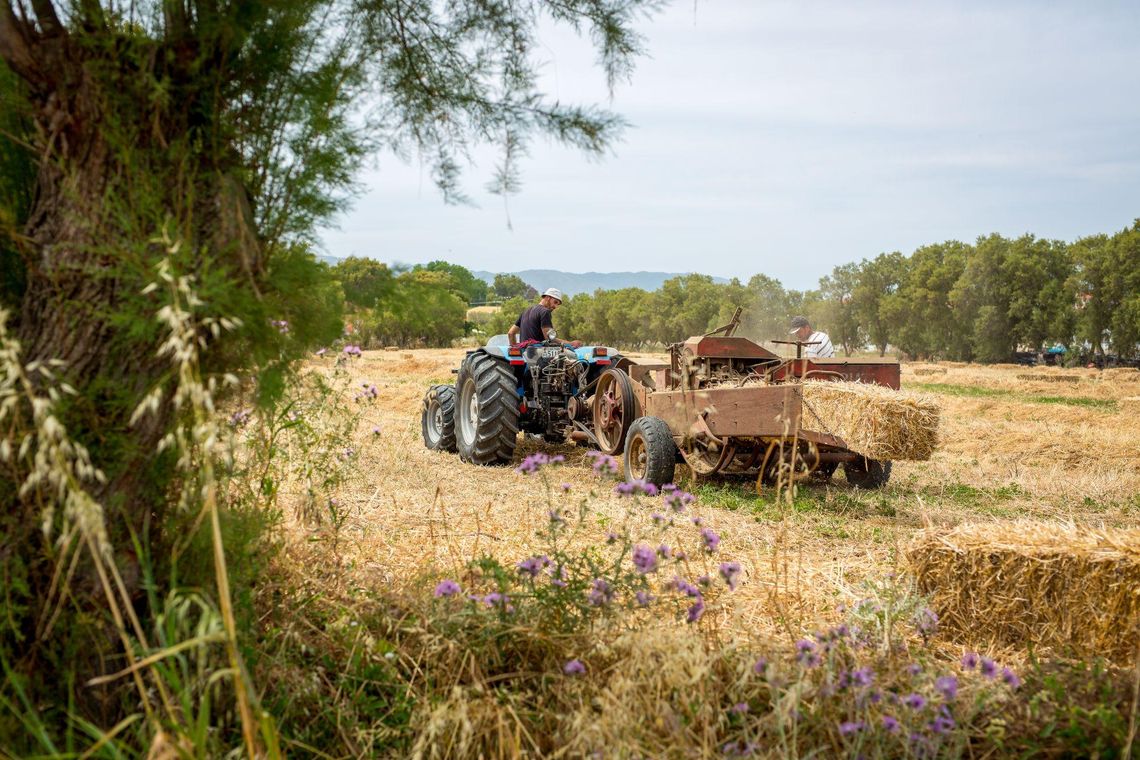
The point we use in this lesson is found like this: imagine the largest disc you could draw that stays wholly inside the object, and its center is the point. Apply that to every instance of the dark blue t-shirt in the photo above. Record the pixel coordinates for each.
(531, 322)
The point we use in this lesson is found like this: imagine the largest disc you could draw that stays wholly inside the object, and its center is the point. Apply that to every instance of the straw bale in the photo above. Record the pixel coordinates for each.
(391, 348)
(1130, 404)
(1044, 584)
(875, 421)
(1006, 365)
(1046, 377)
(1120, 373)
(930, 371)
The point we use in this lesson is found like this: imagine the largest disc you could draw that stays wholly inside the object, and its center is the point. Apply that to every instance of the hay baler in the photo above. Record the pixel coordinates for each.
(726, 405)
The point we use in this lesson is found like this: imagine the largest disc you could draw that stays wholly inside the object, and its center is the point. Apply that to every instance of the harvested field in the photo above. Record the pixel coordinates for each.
(998, 457)
(1045, 377)
(1054, 585)
(930, 370)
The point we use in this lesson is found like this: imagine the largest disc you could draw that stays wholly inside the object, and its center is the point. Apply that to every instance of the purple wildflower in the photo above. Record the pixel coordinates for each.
(663, 551)
(644, 559)
(574, 668)
(760, 667)
(914, 701)
(447, 588)
(555, 518)
(740, 708)
(891, 724)
(601, 593)
(711, 539)
(281, 325)
(697, 521)
(612, 537)
(376, 430)
(351, 350)
(863, 677)
(534, 565)
(942, 724)
(240, 417)
(970, 660)
(914, 669)
(322, 351)
(849, 727)
(566, 487)
(496, 599)
(657, 518)
(644, 598)
(682, 585)
(730, 571)
(948, 687)
(558, 577)
(696, 610)
(678, 500)
(1010, 678)
(624, 488)
(926, 621)
(604, 464)
(704, 580)
(988, 668)
(535, 462)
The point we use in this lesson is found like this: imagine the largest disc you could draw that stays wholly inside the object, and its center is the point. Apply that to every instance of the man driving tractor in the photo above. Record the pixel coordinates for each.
(534, 325)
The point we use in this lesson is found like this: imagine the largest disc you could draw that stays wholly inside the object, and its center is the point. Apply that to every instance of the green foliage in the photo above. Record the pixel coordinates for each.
(467, 285)
(366, 282)
(502, 320)
(507, 286)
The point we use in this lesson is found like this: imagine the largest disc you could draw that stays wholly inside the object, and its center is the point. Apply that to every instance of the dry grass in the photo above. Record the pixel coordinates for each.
(415, 512)
(877, 422)
(1046, 377)
(1053, 585)
(929, 371)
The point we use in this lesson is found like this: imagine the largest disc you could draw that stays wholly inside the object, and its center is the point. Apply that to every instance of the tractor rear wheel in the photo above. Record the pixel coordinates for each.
(437, 418)
(650, 453)
(487, 412)
(867, 473)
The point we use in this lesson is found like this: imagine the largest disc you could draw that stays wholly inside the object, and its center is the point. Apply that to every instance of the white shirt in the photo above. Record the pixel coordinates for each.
(823, 351)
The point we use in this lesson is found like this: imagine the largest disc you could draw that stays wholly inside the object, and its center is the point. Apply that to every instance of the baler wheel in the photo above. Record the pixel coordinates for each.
(867, 473)
(437, 418)
(614, 410)
(650, 453)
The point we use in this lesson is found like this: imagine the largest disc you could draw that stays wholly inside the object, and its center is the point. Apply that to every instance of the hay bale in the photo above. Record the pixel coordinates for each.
(1045, 377)
(391, 348)
(1034, 583)
(1130, 404)
(408, 355)
(875, 421)
(930, 371)
(1120, 373)
(1006, 365)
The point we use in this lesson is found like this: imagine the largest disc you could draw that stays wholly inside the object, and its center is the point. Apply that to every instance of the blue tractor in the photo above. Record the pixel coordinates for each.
(543, 389)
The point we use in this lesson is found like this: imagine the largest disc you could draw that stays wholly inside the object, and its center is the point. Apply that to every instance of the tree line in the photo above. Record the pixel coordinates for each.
(951, 300)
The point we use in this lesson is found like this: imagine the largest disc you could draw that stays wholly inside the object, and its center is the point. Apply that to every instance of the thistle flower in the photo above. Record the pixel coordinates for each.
(574, 668)
(970, 660)
(566, 487)
(351, 350)
(948, 687)
(914, 701)
(447, 588)
(988, 668)
(644, 559)
(760, 667)
(677, 500)
(601, 593)
(696, 610)
(322, 351)
(604, 464)
(891, 724)
(376, 430)
(730, 571)
(644, 598)
(534, 462)
(534, 565)
(663, 551)
(926, 622)
(711, 539)
(657, 518)
(740, 708)
(849, 727)
(913, 669)
(1010, 678)
(863, 677)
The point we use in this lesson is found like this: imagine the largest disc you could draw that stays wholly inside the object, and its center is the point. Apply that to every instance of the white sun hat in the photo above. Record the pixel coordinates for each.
(553, 293)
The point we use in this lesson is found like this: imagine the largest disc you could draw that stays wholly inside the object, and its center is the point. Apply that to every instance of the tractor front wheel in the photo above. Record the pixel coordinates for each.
(650, 453)
(437, 418)
(487, 424)
(867, 473)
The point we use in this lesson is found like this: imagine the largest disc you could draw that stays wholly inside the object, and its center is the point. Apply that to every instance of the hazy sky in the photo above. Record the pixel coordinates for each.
(788, 137)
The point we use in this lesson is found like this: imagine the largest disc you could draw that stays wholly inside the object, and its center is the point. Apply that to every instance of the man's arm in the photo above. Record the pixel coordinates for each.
(513, 334)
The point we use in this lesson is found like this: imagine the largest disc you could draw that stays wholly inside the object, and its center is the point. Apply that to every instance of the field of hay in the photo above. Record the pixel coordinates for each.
(1010, 449)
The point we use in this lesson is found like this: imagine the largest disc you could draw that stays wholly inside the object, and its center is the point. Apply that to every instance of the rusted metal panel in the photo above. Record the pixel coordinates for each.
(878, 373)
(719, 348)
(752, 411)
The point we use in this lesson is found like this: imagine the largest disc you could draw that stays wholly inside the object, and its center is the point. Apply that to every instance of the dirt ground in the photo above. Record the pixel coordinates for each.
(1010, 448)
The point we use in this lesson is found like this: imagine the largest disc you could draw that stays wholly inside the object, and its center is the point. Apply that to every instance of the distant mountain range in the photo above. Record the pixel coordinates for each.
(572, 283)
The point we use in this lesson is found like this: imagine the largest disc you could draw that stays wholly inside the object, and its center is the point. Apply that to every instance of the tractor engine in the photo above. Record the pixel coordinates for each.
(555, 375)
